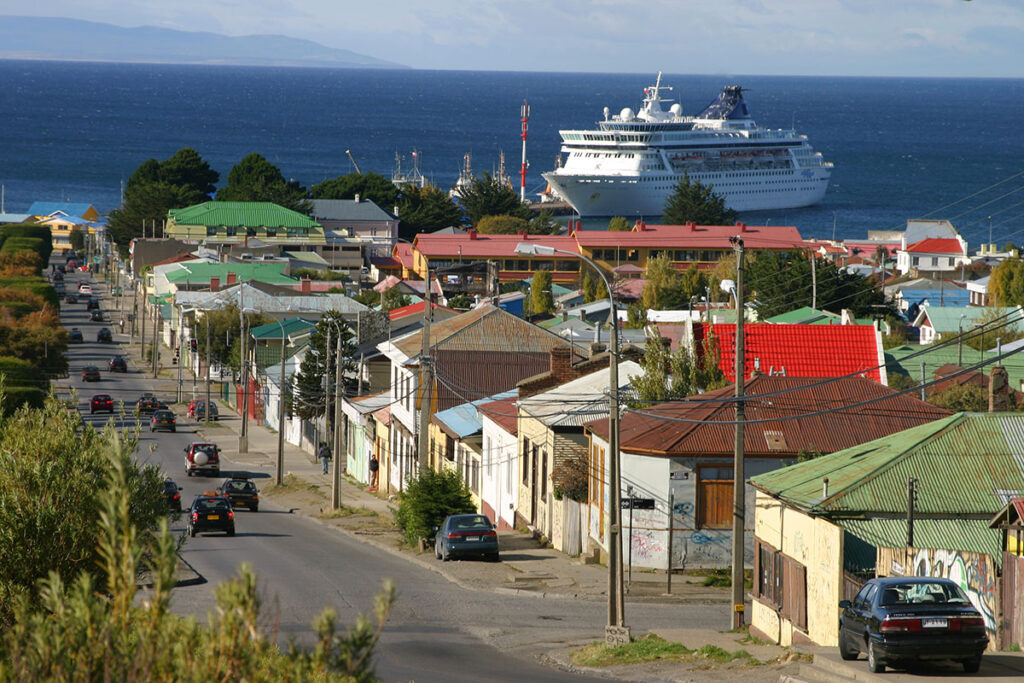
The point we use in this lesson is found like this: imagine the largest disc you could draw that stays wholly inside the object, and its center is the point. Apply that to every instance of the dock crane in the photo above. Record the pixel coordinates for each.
(353, 160)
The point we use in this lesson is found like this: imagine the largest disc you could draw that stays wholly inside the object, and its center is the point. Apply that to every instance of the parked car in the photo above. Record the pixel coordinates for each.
(92, 304)
(202, 457)
(241, 491)
(71, 298)
(118, 364)
(173, 495)
(90, 373)
(211, 513)
(466, 535)
(75, 335)
(104, 336)
(101, 403)
(163, 420)
(96, 316)
(896, 620)
(85, 288)
(197, 410)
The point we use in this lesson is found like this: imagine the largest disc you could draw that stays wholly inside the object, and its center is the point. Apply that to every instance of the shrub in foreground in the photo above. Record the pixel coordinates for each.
(428, 499)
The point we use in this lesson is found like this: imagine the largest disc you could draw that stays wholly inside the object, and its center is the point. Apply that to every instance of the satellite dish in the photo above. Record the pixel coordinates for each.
(676, 109)
(626, 114)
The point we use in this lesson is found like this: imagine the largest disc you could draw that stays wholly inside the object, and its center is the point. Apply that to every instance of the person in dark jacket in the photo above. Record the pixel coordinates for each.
(325, 455)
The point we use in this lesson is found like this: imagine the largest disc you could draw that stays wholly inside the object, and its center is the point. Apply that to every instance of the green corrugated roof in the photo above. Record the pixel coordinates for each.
(965, 464)
(807, 316)
(971, 535)
(935, 357)
(272, 272)
(241, 215)
(267, 356)
(292, 326)
(947, 318)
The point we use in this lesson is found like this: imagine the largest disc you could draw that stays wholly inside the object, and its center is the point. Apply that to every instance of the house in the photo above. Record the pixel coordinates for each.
(824, 526)
(934, 256)
(938, 324)
(61, 226)
(978, 292)
(552, 444)
(360, 433)
(432, 251)
(911, 295)
(81, 210)
(806, 315)
(679, 456)
(360, 220)
(472, 356)
(499, 490)
(379, 426)
(796, 350)
(229, 223)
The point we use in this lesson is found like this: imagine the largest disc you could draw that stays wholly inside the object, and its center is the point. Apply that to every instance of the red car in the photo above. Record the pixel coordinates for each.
(202, 457)
(101, 403)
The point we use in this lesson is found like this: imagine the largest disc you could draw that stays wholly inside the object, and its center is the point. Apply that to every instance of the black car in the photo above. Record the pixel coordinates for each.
(466, 535)
(104, 336)
(173, 495)
(96, 316)
(118, 364)
(211, 513)
(241, 492)
(93, 304)
(905, 619)
(71, 298)
(75, 336)
(148, 404)
(90, 373)
(163, 420)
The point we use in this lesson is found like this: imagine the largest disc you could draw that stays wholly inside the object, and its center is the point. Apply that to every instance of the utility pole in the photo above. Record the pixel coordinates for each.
(336, 478)
(206, 413)
(280, 413)
(156, 339)
(911, 500)
(243, 438)
(814, 282)
(426, 381)
(142, 316)
(738, 478)
(181, 358)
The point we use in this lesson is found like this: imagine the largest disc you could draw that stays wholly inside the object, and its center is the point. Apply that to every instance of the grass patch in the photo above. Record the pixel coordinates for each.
(717, 655)
(346, 511)
(1013, 648)
(291, 484)
(646, 649)
(722, 578)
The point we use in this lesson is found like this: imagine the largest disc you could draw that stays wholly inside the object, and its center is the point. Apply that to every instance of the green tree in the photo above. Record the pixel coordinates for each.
(1006, 283)
(694, 202)
(373, 186)
(502, 225)
(619, 224)
(593, 288)
(541, 299)
(185, 168)
(989, 327)
(672, 375)
(254, 179)
(393, 299)
(488, 196)
(310, 392)
(544, 224)
(428, 499)
(662, 278)
(961, 397)
(226, 335)
(426, 209)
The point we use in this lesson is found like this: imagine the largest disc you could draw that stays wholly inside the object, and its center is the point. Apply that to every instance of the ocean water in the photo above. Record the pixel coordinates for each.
(902, 148)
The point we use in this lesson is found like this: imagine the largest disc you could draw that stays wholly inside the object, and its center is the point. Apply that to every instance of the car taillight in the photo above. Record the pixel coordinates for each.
(255, 497)
(231, 515)
(899, 625)
(195, 516)
(453, 534)
(966, 624)
(177, 496)
(489, 534)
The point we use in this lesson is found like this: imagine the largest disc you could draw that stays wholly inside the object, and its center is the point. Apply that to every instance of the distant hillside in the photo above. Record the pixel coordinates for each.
(74, 39)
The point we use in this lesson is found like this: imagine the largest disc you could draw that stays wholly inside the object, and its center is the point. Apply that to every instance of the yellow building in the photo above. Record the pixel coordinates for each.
(233, 222)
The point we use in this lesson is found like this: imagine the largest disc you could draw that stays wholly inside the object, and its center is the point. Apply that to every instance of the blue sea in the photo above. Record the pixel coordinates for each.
(902, 147)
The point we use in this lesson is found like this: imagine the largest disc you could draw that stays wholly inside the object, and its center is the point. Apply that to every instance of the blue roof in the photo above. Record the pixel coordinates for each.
(46, 208)
(935, 297)
(464, 420)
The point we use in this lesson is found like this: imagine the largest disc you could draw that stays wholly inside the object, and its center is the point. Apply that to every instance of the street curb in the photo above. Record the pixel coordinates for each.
(197, 578)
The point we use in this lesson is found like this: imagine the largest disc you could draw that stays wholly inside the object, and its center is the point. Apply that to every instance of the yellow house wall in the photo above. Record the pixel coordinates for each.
(538, 434)
(815, 543)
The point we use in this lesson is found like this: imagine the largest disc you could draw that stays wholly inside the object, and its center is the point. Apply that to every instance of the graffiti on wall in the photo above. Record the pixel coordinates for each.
(974, 573)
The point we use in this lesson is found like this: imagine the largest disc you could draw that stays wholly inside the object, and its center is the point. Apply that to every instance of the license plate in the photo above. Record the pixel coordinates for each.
(935, 623)
(213, 516)
(472, 538)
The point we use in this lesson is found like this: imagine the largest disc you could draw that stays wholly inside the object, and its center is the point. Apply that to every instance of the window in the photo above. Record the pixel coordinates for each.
(781, 582)
(714, 497)
(232, 231)
(544, 475)
(525, 464)
(271, 232)
(211, 231)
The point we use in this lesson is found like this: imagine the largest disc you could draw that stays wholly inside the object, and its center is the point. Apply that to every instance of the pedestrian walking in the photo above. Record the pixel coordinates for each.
(374, 468)
(122, 325)
(325, 455)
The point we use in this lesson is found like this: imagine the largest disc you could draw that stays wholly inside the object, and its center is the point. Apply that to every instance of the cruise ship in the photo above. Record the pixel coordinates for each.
(632, 162)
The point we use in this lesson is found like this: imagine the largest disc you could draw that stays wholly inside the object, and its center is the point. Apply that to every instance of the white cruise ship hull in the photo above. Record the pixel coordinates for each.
(639, 196)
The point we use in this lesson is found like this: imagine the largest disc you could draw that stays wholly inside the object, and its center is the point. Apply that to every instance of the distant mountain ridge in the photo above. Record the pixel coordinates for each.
(48, 38)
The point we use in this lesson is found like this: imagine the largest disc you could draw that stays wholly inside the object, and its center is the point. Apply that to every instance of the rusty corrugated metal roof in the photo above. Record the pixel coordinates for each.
(504, 413)
(463, 376)
(648, 431)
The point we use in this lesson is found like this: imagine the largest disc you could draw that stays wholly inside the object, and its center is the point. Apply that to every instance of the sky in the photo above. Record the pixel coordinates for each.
(942, 38)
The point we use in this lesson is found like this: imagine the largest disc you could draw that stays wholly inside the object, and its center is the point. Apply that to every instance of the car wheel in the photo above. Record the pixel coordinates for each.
(444, 554)
(845, 651)
(972, 665)
(188, 472)
(437, 551)
(875, 666)
(255, 508)
(231, 531)
(495, 557)
(191, 531)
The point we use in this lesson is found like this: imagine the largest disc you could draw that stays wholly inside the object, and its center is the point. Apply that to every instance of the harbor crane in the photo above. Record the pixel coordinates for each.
(353, 160)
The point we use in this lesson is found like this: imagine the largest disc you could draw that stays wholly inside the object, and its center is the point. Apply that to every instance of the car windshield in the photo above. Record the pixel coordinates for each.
(242, 486)
(921, 592)
(207, 448)
(170, 486)
(474, 522)
(163, 415)
(214, 505)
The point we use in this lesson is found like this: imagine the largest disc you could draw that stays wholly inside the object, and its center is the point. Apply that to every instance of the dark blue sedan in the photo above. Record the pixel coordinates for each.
(470, 535)
(898, 620)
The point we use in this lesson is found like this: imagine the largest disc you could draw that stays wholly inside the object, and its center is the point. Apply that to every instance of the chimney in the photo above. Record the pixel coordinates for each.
(741, 226)
(691, 226)
(596, 348)
(395, 212)
(357, 197)
(561, 362)
(232, 278)
(998, 390)
(306, 285)
(214, 284)
(472, 233)
(824, 488)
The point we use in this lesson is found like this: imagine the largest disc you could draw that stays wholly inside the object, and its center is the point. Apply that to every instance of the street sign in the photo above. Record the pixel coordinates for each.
(637, 503)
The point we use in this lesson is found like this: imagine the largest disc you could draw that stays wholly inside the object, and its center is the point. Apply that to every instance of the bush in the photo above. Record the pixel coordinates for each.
(502, 225)
(428, 499)
(962, 397)
(16, 397)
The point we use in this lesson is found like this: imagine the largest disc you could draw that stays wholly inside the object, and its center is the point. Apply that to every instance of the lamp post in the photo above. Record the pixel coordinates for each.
(738, 477)
(960, 341)
(279, 474)
(243, 437)
(616, 631)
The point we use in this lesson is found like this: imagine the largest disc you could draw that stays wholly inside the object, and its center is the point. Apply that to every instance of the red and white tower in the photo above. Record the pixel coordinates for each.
(524, 118)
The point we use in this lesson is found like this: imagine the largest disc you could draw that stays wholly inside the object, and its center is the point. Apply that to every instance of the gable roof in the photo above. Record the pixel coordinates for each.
(77, 209)
(936, 245)
(464, 420)
(241, 214)
(202, 271)
(503, 413)
(349, 210)
(657, 430)
(947, 318)
(799, 350)
(579, 401)
(292, 327)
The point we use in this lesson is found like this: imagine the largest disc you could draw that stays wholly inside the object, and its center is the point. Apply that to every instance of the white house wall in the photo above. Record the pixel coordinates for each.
(500, 477)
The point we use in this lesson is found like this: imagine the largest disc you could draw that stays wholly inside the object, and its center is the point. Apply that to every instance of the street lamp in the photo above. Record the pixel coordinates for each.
(616, 631)
(738, 476)
(280, 408)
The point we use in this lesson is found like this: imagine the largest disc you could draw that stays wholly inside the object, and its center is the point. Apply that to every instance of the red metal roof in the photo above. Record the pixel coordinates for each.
(694, 236)
(798, 350)
(416, 309)
(648, 431)
(475, 245)
(935, 245)
(403, 254)
(504, 413)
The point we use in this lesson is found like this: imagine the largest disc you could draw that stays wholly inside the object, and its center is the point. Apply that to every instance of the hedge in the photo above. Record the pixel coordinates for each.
(36, 285)
(15, 397)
